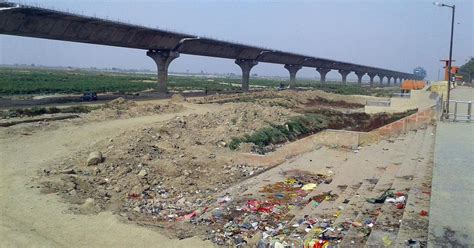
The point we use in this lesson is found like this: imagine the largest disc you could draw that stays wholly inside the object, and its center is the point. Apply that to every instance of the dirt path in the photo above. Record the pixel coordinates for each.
(31, 219)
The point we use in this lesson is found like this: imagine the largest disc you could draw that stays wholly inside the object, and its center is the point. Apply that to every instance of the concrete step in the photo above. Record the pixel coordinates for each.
(413, 226)
(357, 236)
(388, 222)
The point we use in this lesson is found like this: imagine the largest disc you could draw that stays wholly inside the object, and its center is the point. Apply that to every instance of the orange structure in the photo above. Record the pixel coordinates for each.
(408, 85)
(454, 69)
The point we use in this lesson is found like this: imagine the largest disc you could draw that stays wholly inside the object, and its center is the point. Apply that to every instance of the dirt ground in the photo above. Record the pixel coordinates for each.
(32, 219)
(167, 167)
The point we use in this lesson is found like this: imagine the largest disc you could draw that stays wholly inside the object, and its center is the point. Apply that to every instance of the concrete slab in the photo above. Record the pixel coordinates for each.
(451, 210)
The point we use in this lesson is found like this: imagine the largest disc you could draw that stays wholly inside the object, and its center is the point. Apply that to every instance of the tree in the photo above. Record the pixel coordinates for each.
(467, 71)
(420, 71)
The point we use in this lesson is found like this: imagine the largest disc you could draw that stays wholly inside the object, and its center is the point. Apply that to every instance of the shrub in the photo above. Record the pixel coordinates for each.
(275, 134)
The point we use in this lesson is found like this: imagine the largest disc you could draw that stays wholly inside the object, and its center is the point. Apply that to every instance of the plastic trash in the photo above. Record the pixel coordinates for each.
(187, 216)
(309, 186)
(382, 197)
(424, 213)
(400, 199)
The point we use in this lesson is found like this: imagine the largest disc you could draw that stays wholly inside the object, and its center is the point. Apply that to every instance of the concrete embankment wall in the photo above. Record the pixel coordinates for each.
(419, 99)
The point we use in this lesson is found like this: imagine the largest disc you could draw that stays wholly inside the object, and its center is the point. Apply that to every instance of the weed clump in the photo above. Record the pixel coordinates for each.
(274, 134)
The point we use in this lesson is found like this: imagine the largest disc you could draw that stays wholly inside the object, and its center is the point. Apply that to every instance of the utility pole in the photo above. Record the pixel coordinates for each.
(453, 8)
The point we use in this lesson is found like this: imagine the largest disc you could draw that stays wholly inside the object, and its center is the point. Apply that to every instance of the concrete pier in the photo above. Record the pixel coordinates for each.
(381, 79)
(371, 76)
(293, 69)
(162, 59)
(322, 73)
(359, 77)
(246, 65)
(344, 74)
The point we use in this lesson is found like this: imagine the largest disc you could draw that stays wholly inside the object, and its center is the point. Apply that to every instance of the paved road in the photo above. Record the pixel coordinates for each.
(452, 201)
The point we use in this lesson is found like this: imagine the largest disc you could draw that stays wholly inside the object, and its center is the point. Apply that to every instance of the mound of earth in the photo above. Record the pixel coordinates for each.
(315, 99)
(122, 108)
(163, 172)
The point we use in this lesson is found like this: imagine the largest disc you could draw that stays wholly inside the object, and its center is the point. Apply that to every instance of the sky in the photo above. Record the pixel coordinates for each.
(392, 34)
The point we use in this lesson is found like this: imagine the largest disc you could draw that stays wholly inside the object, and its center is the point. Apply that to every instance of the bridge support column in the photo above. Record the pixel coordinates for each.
(371, 76)
(246, 65)
(359, 77)
(293, 69)
(162, 59)
(344, 74)
(322, 73)
(381, 79)
(388, 80)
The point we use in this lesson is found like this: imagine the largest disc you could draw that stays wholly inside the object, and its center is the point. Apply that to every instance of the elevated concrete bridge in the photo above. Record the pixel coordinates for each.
(165, 46)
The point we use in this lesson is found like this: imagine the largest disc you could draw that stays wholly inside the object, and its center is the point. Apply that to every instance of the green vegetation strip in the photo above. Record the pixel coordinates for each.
(291, 130)
(23, 81)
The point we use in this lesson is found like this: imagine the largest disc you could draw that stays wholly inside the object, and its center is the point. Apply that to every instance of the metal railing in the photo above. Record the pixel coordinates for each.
(460, 110)
(402, 95)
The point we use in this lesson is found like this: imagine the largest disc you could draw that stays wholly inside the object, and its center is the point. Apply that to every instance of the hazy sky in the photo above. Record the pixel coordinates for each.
(398, 35)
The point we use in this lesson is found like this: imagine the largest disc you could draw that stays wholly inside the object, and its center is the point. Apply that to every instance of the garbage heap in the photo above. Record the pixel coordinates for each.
(265, 217)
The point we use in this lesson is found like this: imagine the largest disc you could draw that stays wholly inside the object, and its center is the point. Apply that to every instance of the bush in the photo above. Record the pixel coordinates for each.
(275, 134)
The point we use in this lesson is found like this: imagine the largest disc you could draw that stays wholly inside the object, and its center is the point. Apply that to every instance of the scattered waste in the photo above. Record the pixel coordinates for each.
(400, 205)
(382, 197)
(268, 212)
(400, 199)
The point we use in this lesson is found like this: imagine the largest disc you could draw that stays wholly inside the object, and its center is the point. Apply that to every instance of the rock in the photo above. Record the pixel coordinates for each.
(142, 173)
(68, 171)
(89, 203)
(181, 201)
(178, 98)
(94, 158)
(136, 190)
(147, 157)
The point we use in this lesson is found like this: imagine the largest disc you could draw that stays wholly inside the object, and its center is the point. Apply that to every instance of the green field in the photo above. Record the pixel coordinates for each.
(22, 81)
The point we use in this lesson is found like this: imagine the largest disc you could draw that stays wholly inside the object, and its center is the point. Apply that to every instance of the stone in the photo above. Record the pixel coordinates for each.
(142, 173)
(94, 158)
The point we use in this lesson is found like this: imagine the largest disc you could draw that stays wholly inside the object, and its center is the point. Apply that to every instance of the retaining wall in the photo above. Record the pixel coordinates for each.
(343, 138)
